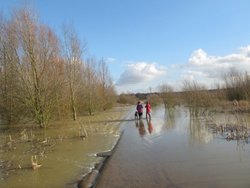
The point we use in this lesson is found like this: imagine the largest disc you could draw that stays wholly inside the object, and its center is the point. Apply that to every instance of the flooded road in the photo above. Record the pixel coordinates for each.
(176, 151)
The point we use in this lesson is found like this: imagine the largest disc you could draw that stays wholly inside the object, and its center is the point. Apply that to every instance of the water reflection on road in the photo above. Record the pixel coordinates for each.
(174, 150)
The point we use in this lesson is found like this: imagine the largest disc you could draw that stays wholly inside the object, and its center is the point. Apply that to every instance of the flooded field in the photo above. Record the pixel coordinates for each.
(64, 155)
(174, 150)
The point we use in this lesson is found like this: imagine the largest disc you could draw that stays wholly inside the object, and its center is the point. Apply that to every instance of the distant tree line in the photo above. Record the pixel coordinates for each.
(45, 77)
(196, 96)
(199, 99)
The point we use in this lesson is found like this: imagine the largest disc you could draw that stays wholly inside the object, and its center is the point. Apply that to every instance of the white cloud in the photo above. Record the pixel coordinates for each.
(245, 50)
(207, 68)
(139, 73)
(201, 58)
(202, 67)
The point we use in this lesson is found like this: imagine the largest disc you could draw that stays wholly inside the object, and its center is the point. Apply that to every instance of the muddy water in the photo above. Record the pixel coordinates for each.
(64, 156)
(175, 151)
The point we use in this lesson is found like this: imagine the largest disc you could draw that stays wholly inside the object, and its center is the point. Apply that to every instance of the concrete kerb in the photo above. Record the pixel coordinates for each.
(90, 180)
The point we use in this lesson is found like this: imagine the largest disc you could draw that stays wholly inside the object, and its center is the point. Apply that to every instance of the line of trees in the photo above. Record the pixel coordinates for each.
(44, 77)
(199, 99)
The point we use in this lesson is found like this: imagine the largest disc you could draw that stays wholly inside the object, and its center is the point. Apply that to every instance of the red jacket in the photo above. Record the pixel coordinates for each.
(148, 107)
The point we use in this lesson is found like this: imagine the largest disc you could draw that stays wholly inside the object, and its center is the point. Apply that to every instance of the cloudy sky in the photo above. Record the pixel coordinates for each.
(147, 43)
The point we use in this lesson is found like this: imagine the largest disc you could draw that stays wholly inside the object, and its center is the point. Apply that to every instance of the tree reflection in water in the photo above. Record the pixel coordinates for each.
(199, 131)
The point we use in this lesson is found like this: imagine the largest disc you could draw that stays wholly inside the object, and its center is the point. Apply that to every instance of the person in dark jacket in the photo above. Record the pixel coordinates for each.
(139, 109)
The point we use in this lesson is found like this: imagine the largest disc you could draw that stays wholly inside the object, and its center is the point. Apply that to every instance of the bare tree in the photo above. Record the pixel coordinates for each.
(73, 55)
(197, 97)
(35, 61)
(167, 95)
(90, 84)
(7, 82)
(106, 89)
(38, 81)
(11, 106)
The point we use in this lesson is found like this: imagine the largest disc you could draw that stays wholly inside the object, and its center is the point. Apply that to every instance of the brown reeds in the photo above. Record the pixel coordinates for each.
(197, 98)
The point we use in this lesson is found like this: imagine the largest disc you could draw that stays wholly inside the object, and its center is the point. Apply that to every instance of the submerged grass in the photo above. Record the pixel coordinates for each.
(19, 145)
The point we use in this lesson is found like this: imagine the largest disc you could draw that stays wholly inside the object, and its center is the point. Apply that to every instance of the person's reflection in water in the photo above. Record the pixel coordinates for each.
(137, 123)
(141, 128)
(150, 126)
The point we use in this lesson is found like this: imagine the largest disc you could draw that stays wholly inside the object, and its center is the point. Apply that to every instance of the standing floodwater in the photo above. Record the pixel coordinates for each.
(66, 157)
(173, 150)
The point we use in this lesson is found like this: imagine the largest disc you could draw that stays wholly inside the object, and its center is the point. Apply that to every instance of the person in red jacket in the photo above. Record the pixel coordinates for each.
(148, 110)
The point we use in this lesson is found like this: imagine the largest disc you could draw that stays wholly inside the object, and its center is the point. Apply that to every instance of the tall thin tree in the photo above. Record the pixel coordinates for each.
(73, 56)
